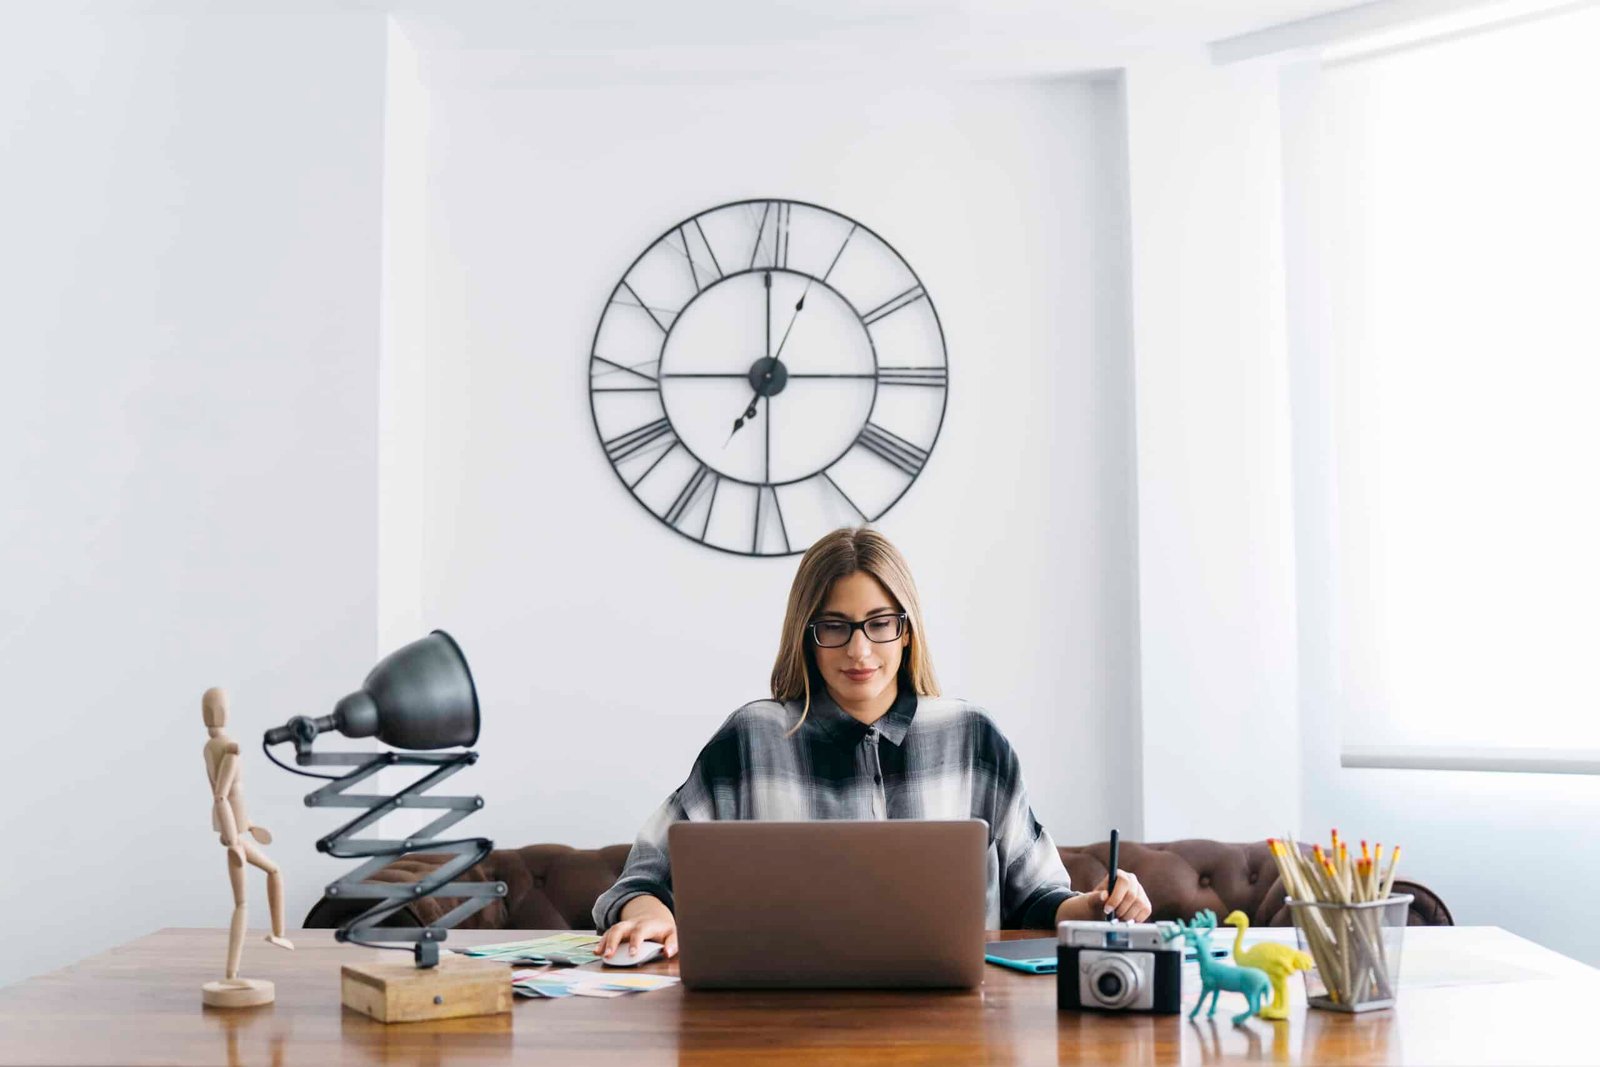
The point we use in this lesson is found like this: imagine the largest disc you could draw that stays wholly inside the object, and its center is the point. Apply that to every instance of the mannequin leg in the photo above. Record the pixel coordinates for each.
(241, 914)
(274, 892)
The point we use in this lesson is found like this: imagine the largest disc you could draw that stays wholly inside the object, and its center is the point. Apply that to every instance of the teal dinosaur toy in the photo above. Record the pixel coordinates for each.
(1217, 977)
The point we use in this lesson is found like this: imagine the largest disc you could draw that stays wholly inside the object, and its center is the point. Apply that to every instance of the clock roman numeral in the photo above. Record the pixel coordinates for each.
(761, 229)
(633, 376)
(772, 236)
(688, 259)
(755, 533)
(936, 377)
(665, 452)
(893, 449)
(709, 250)
(638, 302)
(697, 269)
(710, 504)
(624, 445)
(688, 494)
(780, 255)
(842, 246)
(893, 304)
(783, 527)
(853, 505)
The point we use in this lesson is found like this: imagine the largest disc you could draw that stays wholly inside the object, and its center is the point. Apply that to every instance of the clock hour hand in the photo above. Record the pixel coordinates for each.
(750, 411)
(738, 424)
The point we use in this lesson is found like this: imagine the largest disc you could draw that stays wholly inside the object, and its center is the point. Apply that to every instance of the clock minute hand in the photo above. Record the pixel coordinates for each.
(801, 303)
(798, 307)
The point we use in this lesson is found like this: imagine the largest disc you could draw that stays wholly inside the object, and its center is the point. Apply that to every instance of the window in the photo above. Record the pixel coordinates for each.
(1458, 267)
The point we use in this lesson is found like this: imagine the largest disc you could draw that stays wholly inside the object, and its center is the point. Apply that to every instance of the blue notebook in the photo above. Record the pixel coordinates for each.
(1035, 955)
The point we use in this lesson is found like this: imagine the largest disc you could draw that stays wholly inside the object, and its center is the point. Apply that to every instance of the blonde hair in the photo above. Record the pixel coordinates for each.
(837, 555)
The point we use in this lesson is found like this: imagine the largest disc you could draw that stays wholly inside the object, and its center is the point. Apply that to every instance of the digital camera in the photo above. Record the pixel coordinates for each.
(1106, 966)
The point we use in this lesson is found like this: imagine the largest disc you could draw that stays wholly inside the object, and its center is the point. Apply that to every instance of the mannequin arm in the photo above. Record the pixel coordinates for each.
(227, 772)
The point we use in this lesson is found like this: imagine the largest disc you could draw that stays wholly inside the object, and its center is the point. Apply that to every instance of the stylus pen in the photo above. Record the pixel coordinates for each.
(1111, 880)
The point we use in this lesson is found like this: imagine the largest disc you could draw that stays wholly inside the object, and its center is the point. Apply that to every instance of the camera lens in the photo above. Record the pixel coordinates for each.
(1112, 981)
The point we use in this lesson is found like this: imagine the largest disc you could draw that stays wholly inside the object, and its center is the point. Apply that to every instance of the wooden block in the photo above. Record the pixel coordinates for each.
(404, 992)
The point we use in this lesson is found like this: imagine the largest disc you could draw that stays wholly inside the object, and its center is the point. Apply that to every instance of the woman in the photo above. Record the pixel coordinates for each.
(856, 729)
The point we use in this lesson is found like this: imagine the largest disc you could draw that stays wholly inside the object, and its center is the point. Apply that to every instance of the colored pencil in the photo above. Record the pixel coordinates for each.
(1346, 943)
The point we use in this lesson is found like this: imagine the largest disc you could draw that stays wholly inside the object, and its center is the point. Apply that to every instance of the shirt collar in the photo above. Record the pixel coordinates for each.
(845, 728)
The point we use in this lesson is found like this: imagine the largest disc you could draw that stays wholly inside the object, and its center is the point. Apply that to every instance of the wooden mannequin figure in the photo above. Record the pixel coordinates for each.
(229, 819)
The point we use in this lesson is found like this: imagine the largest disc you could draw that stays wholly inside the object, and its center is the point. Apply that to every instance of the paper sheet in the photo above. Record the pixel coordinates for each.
(585, 983)
(568, 949)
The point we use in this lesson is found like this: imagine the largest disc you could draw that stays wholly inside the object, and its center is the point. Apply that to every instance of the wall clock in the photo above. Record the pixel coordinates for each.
(766, 371)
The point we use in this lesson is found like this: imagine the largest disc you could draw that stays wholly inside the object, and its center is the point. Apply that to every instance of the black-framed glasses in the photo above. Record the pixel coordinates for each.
(836, 633)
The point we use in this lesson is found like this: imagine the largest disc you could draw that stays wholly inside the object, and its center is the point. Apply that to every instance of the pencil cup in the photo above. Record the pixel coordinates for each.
(1357, 950)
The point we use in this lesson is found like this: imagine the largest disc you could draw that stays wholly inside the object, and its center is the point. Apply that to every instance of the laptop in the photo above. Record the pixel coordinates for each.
(897, 903)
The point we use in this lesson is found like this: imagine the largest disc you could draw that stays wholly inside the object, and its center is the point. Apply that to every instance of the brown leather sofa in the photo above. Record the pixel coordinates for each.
(554, 887)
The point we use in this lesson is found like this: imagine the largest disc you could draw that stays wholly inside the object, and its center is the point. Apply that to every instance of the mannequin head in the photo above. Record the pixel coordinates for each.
(214, 708)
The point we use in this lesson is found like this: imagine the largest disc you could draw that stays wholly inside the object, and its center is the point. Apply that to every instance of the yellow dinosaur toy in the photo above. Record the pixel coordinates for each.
(1279, 961)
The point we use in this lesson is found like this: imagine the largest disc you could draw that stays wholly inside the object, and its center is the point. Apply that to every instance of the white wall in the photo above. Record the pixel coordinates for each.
(403, 367)
(1216, 580)
(608, 648)
(189, 270)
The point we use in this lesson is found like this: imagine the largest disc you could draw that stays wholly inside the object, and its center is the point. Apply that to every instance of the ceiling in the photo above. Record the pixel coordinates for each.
(690, 38)
(578, 41)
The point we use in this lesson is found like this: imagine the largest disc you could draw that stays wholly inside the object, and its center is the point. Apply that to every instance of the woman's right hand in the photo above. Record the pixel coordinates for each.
(644, 918)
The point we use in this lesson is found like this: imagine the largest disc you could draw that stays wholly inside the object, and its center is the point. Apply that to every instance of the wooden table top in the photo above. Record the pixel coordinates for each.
(1467, 995)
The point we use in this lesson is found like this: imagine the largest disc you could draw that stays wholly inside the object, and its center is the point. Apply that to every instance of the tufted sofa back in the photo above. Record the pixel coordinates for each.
(1182, 877)
(554, 887)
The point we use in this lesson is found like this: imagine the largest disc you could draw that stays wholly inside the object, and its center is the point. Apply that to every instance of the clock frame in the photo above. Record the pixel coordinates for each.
(762, 330)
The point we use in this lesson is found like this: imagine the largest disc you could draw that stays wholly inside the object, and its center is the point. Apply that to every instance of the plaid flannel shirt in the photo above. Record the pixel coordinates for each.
(926, 758)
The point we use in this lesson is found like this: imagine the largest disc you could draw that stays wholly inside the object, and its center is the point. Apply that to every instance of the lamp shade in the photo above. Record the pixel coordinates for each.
(418, 697)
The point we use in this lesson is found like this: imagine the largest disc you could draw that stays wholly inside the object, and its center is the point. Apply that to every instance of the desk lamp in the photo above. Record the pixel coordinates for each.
(418, 699)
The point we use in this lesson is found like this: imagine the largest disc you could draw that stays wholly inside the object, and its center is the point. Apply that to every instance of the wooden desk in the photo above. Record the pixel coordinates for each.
(140, 1004)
